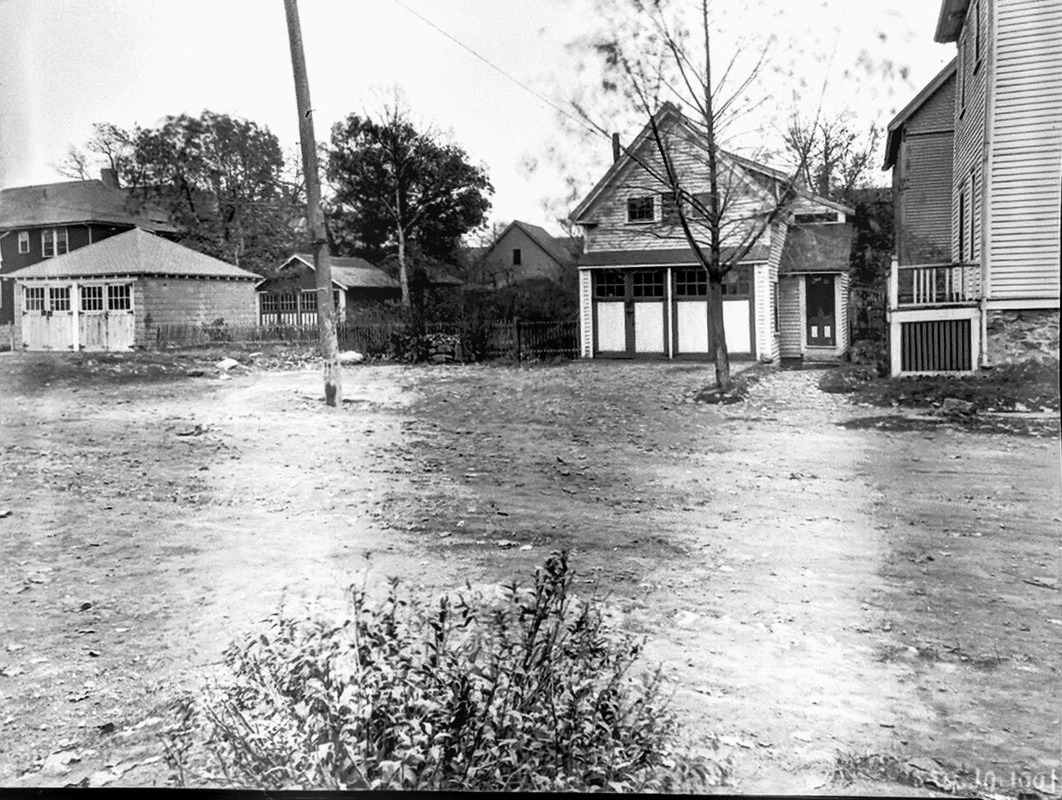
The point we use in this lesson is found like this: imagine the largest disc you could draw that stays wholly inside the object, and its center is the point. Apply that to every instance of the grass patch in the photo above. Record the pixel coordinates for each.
(1028, 386)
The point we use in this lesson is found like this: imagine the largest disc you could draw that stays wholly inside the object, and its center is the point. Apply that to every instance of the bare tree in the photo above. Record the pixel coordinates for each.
(833, 157)
(722, 206)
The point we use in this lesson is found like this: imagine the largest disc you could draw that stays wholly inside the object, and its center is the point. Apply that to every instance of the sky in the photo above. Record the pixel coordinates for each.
(66, 64)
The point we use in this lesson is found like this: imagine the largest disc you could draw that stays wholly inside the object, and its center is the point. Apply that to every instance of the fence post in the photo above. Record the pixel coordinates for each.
(519, 352)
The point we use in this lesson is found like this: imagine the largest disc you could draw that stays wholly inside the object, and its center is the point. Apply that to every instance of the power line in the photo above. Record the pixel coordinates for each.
(502, 72)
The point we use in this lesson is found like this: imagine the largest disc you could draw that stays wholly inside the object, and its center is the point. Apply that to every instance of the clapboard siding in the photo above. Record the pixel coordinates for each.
(586, 314)
(970, 115)
(1025, 151)
(923, 186)
(791, 313)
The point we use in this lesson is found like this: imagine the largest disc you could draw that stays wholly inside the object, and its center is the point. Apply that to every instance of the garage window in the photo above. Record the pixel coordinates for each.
(269, 303)
(92, 298)
(33, 298)
(58, 298)
(289, 303)
(309, 302)
(649, 283)
(609, 284)
(119, 297)
(736, 283)
(691, 282)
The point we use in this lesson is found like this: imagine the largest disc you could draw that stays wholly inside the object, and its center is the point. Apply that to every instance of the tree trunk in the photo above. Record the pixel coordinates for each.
(717, 335)
(403, 271)
(326, 314)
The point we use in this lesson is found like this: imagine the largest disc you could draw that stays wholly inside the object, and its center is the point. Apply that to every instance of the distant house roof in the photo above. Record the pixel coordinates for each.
(350, 272)
(816, 248)
(77, 202)
(651, 258)
(134, 252)
(895, 130)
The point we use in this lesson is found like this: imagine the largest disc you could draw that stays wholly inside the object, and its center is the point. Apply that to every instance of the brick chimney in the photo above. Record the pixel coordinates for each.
(109, 177)
(615, 147)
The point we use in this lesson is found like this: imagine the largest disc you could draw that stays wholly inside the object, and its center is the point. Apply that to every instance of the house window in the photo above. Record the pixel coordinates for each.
(33, 298)
(691, 282)
(23, 242)
(736, 283)
(269, 303)
(92, 298)
(289, 303)
(803, 219)
(53, 242)
(962, 78)
(335, 299)
(58, 298)
(977, 34)
(517, 257)
(641, 209)
(649, 283)
(972, 215)
(119, 297)
(609, 284)
(962, 227)
(669, 209)
(308, 302)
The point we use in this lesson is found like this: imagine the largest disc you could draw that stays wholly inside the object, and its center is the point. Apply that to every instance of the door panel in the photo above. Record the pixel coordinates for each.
(611, 326)
(691, 319)
(649, 327)
(736, 322)
(821, 311)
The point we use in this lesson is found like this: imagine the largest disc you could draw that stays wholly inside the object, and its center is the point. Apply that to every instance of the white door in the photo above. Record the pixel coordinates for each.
(611, 326)
(737, 318)
(47, 318)
(691, 320)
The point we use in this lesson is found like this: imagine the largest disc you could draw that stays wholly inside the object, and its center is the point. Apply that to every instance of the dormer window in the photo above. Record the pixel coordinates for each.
(53, 242)
(641, 209)
(23, 242)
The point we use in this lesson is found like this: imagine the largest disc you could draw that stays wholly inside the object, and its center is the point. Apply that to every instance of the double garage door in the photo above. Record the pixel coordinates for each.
(635, 314)
(78, 316)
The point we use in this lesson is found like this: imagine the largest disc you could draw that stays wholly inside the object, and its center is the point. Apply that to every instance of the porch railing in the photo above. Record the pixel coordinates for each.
(921, 285)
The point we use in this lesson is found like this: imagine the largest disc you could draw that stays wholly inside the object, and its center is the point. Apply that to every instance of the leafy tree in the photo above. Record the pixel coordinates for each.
(395, 186)
(223, 180)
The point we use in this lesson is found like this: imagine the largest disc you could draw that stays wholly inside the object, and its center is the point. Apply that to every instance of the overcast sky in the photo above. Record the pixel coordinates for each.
(66, 64)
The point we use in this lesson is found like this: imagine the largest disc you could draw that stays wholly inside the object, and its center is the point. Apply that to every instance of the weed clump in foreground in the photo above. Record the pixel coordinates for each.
(526, 691)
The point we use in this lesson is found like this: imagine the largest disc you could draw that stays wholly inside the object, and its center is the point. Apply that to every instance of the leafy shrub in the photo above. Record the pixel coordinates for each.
(527, 691)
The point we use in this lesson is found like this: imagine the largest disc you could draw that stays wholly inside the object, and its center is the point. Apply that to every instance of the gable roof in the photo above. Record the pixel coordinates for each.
(816, 248)
(669, 114)
(77, 202)
(135, 252)
(560, 249)
(895, 129)
(350, 272)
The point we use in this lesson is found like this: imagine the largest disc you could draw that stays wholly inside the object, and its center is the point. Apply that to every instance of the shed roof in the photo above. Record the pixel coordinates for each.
(895, 130)
(816, 248)
(679, 256)
(134, 252)
(77, 202)
(351, 272)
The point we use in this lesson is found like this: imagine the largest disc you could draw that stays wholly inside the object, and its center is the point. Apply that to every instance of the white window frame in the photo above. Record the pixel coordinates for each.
(39, 298)
(23, 242)
(652, 198)
(50, 239)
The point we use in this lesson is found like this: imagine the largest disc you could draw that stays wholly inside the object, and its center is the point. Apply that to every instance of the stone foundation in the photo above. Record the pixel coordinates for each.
(1029, 335)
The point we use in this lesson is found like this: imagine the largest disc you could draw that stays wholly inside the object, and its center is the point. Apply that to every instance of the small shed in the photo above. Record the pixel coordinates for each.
(112, 295)
(290, 297)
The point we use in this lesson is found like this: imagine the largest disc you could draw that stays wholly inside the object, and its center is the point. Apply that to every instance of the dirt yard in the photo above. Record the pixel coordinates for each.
(836, 594)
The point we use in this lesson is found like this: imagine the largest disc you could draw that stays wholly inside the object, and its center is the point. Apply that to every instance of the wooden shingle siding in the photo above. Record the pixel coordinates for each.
(1026, 151)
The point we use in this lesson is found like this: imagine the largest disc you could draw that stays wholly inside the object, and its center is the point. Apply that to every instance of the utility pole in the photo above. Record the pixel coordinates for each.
(326, 314)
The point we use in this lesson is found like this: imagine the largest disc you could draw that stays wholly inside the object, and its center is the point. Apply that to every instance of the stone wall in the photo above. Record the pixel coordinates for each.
(1031, 334)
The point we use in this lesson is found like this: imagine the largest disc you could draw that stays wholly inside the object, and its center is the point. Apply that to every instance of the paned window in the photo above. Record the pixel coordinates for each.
(269, 303)
(669, 209)
(641, 209)
(58, 298)
(92, 298)
(53, 242)
(648, 283)
(289, 303)
(691, 282)
(119, 297)
(609, 283)
(736, 283)
(23, 242)
(33, 298)
(309, 301)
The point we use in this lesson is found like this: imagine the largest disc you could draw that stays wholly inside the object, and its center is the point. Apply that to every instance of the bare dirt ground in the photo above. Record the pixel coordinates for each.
(836, 594)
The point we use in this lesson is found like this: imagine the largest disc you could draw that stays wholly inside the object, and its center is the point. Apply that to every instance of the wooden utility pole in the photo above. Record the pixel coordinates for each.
(326, 313)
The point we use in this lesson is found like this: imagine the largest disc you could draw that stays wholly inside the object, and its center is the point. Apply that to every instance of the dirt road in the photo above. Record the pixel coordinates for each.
(829, 590)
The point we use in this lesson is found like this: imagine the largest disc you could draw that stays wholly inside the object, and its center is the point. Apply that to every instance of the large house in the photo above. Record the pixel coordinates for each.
(41, 222)
(992, 295)
(524, 252)
(642, 291)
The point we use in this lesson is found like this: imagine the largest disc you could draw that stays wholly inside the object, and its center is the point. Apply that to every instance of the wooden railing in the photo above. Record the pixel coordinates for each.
(920, 285)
